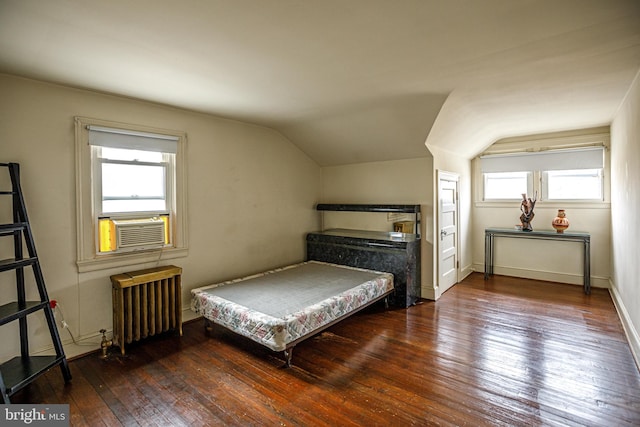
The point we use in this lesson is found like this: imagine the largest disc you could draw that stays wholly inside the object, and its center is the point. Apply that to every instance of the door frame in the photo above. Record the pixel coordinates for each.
(446, 176)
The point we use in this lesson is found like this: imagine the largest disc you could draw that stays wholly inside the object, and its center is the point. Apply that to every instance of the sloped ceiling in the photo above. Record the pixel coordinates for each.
(348, 81)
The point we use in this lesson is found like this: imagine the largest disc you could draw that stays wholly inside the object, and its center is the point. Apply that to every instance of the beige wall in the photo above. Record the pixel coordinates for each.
(546, 260)
(392, 182)
(625, 205)
(251, 198)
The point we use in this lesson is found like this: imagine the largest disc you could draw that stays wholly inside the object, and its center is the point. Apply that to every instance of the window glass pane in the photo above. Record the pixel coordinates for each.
(132, 187)
(505, 185)
(130, 155)
(144, 205)
(583, 184)
(132, 181)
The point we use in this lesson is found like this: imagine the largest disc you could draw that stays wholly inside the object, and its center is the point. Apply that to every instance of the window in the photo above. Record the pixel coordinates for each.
(132, 180)
(131, 194)
(578, 184)
(132, 185)
(506, 185)
(556, 175)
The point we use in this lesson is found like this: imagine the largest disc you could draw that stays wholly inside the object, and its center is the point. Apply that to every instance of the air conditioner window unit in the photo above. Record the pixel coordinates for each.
(139, 234)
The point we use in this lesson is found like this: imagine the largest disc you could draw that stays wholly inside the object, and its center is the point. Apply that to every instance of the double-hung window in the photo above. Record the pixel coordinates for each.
(131, 201)
(133, 186)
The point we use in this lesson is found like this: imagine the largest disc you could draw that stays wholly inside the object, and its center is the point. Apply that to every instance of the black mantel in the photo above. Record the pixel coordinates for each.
(396, 253)
(368, 208)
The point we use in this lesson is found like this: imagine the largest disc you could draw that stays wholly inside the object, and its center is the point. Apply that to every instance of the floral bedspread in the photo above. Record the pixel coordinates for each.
(276, 333)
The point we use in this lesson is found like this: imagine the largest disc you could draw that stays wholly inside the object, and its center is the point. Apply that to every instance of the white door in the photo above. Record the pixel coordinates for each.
(448, 230)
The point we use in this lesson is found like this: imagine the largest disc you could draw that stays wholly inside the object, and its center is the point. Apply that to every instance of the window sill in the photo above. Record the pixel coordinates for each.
(542, 204)
(105, 262)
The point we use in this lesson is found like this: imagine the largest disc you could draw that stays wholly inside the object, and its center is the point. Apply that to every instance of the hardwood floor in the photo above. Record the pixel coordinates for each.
(506, 351)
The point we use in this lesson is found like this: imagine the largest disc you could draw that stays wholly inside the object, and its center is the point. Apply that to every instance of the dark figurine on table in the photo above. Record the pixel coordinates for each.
(526, 207)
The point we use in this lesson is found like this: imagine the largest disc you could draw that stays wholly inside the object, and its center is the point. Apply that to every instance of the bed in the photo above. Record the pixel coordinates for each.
(282, 307)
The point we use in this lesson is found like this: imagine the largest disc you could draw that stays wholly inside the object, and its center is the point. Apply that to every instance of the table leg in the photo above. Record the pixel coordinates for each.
(587, 267)
(491, 253)
(486, 256)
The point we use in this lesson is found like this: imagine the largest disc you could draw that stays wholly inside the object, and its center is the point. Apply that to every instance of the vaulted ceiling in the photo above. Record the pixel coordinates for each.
(347, 81)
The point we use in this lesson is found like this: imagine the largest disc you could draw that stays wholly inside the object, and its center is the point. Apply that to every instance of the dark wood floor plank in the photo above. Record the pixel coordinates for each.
(309, 390)
(502, 352)
(85, 396)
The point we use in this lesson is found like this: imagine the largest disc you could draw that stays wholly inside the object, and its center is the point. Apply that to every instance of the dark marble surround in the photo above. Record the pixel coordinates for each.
(396, 253)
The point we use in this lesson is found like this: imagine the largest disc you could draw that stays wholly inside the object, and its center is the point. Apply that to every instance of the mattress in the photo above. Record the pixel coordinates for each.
(281, 307)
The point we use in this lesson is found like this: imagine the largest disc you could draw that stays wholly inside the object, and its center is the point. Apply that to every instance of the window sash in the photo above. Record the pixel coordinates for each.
(553, 181)
(492, 193)
(141, 169)
(102, 208)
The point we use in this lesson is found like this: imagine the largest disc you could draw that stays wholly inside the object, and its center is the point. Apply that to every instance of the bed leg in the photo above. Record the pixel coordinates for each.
(386, 303)
(208, 326)
(288, 354)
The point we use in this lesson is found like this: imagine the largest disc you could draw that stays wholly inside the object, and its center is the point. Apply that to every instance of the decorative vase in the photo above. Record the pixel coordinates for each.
(560, 222)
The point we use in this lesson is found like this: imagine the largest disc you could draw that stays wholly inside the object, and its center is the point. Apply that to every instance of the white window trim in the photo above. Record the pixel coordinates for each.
(544, 188)
(87, 258)
(597, 137)
(515, 197)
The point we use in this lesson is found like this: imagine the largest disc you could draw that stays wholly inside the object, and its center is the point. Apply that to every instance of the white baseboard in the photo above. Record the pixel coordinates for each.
(83, 345)
(549, 276)
(433, 293)
(630, 331)
(428, 293)
(465, 272)
(86, 344)
(189, 315)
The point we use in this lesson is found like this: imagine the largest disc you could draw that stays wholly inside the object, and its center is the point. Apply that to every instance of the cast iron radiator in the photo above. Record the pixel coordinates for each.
(146, 303)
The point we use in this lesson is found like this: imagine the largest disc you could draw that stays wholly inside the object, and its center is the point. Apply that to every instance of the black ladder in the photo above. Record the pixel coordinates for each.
(21, 370)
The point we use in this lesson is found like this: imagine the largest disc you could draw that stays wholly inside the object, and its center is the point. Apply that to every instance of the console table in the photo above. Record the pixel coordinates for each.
(585, 238)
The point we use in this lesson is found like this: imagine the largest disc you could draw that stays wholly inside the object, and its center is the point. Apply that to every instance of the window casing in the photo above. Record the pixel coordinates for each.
(568, 175)
(128, 173)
